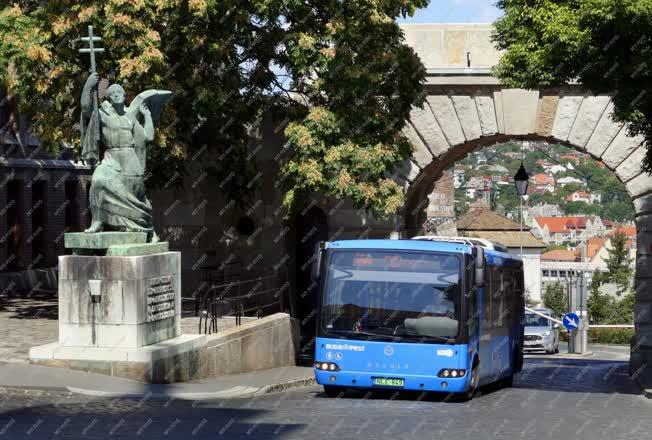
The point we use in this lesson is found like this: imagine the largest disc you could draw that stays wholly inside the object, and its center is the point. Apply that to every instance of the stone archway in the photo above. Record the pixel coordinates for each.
(455, 121)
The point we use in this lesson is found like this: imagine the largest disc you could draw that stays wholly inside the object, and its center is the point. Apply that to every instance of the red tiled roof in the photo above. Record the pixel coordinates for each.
(629, 231)
(593, 245)
(582, 194)
(542, 179)
(559, 255)
(569, 156)
(561, 224)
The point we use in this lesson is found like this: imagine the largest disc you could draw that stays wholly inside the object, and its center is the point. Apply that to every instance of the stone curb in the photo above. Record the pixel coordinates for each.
(34, 392)
(574, 355)
(276, 388)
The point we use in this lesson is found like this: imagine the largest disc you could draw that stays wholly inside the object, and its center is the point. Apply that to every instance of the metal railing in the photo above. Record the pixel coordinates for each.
(258, 296)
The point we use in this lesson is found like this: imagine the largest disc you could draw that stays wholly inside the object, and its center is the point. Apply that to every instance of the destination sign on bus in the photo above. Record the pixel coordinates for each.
(404, 261)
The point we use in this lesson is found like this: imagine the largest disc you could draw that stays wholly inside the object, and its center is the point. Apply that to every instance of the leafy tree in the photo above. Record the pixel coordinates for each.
(603, 44)
(600, 305)
(507, 197)
(555, 298)
(529, 301)
(625, 309)
(619, 269)
(604, 308)
(337, 74)
(572, 208)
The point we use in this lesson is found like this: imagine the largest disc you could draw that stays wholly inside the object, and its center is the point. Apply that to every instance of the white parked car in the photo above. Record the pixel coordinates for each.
(541, 334)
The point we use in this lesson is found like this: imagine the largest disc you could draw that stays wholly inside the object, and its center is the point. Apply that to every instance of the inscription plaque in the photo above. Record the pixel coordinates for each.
(160, 298)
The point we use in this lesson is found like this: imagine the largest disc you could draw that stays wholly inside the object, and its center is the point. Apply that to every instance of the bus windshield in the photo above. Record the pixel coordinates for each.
(392, 294)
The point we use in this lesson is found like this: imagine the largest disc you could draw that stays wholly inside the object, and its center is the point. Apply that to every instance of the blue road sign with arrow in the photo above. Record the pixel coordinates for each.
(571, 321)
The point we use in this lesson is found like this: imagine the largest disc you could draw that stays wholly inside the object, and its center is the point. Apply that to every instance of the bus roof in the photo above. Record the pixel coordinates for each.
(411, 245)
(416, 245)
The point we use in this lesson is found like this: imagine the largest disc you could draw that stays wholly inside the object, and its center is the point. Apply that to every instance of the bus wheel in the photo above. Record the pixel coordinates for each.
(507, 382)
(332, 390)
(473, 385)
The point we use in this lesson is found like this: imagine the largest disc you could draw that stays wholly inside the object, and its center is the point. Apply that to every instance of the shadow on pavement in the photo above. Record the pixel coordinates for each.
(35, 306)
(577, 375)
(545, 374)
(137, 419)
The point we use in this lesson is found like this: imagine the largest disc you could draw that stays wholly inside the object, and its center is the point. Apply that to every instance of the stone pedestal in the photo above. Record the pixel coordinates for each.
(139, 300)
(121, 315)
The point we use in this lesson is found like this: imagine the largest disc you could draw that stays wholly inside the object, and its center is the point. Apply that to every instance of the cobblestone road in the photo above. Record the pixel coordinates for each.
(552, 398)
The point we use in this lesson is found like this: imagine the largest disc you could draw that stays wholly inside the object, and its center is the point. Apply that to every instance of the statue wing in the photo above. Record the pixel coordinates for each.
(154, 99)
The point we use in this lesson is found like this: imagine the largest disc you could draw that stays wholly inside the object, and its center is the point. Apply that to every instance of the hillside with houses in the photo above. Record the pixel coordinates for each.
(562, 182)
(573, 208)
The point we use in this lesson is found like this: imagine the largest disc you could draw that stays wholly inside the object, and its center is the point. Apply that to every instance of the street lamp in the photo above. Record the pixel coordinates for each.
(521, 180)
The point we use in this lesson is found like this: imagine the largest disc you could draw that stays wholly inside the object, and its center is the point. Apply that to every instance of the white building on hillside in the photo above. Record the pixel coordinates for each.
(563, 181)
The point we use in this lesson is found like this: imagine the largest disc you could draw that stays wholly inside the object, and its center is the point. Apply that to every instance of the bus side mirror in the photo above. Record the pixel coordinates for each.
(479, 266)
(315, 268)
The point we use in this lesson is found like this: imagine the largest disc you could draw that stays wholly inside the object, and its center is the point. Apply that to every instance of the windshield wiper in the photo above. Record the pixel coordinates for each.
(353, 332)
(392, 335)
(439, 338)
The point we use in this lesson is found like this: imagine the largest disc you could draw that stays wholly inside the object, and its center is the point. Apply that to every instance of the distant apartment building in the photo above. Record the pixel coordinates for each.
(562, 265)
(567, 230)
(545, 210)
(458, 177)
(556, 168)
(583, 196)
(563, 181)
(543, 182)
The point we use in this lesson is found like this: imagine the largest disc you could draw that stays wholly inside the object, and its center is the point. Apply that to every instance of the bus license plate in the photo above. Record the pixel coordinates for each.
(388, 382)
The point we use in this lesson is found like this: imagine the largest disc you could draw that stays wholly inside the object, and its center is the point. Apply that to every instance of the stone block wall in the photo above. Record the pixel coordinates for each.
(266, 343)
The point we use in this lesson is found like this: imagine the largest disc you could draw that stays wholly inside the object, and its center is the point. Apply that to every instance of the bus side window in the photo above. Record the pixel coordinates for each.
(498, 296)
(473, 313)
(487, 294)
(509, 298)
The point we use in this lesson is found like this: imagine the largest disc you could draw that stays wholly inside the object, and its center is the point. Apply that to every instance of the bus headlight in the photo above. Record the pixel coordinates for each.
(450, 372)
(327, 366)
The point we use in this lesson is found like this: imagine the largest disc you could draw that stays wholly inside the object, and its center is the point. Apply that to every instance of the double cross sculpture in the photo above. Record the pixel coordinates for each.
(92, 50)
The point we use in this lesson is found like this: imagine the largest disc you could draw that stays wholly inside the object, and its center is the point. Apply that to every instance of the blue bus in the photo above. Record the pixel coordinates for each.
(427, 315)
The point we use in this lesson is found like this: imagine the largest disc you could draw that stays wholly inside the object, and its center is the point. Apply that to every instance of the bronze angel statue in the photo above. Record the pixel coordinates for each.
(117, 196)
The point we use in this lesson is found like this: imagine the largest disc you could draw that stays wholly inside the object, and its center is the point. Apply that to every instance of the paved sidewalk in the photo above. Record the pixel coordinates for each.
(31, 321)
(33, 379)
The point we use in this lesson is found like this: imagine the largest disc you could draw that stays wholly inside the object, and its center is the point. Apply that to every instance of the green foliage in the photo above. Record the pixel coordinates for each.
(604, 44)
(507, 197)
(621, 336)
(604, 308)
(625, 309)
(619, 269)
(555, 298)
(574, 208)
(600, 307)
(228, 63)
(616, 204)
